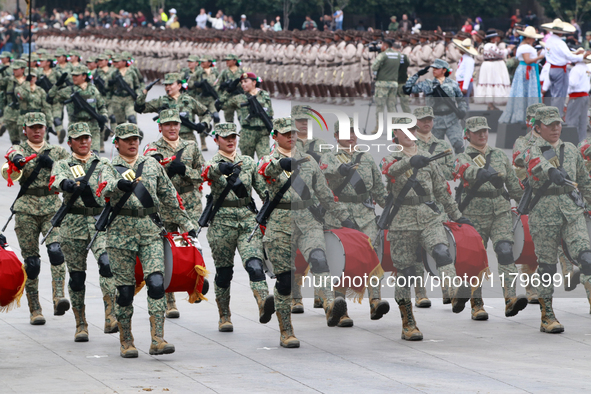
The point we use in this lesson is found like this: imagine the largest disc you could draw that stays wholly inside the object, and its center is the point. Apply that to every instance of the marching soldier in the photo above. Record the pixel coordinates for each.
(12, 111)
(556, 210)
(418, 223)
(445, 97)
(31, 98)
(77, 177)
(89, 93)
(122, 84)
(292, 226)
(232, 178)
(385, 68)
(356, 181)
(254, 134)
(34, 210)
(209, 74)
(300, 117)
(224, 84)
(133, 234)
(184, 171)
(102, 72)
(177, 98)
(486, 172)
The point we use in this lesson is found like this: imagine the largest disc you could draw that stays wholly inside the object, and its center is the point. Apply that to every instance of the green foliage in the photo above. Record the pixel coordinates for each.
(567, 9)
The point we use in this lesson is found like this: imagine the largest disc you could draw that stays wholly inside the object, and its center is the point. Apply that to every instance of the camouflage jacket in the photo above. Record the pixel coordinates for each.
(187, 186)
(127, 228)
(281, 220)
(130, 77)
(225, 76)
(197, 77)
(99, 72)
(308, 146)
(467, 170)
(139, 75)
(585, 149)
(30, 204)
(446, 164)
(397, 169)
(362, 210)
(9, 85)
(521, 145)
(552, 207)
(262, 97)
(78, 226)
(52, 76)
(32, 101)
(194, 76)
(92, 96)
(185, 104)
(230, 216)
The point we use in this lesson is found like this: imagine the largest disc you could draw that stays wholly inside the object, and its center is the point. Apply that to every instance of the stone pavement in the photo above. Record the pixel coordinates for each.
(501, 355)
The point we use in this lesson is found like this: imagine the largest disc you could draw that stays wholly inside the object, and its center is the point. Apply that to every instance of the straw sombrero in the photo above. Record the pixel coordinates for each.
(465, 46)
(559, 26)
(530, 32)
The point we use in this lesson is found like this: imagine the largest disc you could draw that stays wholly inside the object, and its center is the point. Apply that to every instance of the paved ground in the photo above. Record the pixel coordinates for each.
(457, 355)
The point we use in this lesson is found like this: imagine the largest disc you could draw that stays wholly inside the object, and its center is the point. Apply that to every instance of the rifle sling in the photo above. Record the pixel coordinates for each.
(400, 197)
(77, 194)
(117, 208)
(542, 190)
(354, 179)
(143, 195)
(30, 179)
(470, 192)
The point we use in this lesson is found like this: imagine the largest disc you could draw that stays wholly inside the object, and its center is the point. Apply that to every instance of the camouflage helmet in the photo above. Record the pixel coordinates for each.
(231, 56)
(423, 112)
(207, 58)
(531, 110)
(109, 52)
(171, 78)
(547, 115)
(41, 51)
(19, 64)
(225, 129)
(79, 129)
(103, 56)
(79, 69)
(61, 52)
(336, 125)
(476, 123)
(282, 125)
(401, 120)
(75, 53)
(169, 115)
(6, 54)
(126, 130)
(118, 58)
(193, 58)
(91, 59)
(126, 54)
(439, 63)
(34, 118)
(32, 71)
(300, 112)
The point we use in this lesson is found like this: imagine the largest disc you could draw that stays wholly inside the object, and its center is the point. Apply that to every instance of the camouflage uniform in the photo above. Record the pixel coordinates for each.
(211, 76)
(446, 120)
(76, 232)
(11, 111)
(385, 68)
(57, 109)
(91, 95)
(31, 99)
(230, 228)
(291, 226)
(33, 213)
(557, 217)
(121, 101)
(59, 69)
(228, 75)
(254, 137)
(434, 145)
(131, 236)
(490, 212)
(133, 68)
(359, 199)
(185, 104)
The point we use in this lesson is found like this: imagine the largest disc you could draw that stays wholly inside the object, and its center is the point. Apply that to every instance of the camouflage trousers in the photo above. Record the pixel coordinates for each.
(57, 111)
(404, 99)
(76, 256)
(15, 131)
(449, 125)
(254, 139)
(122, 108)
(151, 253)
(27, 229)
(385, 95)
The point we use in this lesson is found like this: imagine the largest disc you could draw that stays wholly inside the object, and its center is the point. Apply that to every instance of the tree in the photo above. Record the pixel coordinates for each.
(288, 7)
(567, 9)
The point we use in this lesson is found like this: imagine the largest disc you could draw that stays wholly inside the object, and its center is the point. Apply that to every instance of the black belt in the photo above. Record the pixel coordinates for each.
(488, 194)
(86, 211)
(26, 111)
(186, 189)
(241, 202)
(296, 205)
(557, 191)
(122, 94)
(39, 192)
(358, 198)
(138, 213)
(415, 200)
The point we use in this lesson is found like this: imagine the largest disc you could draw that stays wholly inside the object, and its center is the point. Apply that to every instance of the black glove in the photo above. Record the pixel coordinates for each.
(18, 161)
(29, 78)
(419, 161)
(218, 105)
(3, 240)
(461, 114)
(345, 169)
(61, 79)
(497, 181)
(105, 268)
(192, 234)
(125, 185)
(348, 223)
(216, 117)
(407, 90)
(483, 176)
(112, 119)
(201, 127)
(287, 163)
(424, 70)
(57, 122)
(464, 220)
(68, 185)
(103, 121)
(556, 176)
(177, 167)
(45, 161)
(225, 168)
(158, 157)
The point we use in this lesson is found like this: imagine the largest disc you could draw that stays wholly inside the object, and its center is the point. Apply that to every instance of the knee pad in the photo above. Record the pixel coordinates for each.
(32, 267)
(584, 261)
(56, 256)
(57, 122)
(283, 284)
(546, 269)
(255, 269)
(504, 251)
(441, 255)
(317, 261)
(125, 296)
(407, 272)
(223, 276)
(77, 279)
(104, 266)
(132, 119)
(155, 284)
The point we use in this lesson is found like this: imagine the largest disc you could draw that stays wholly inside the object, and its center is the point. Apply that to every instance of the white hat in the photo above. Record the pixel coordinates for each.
(529, 32)
(243, 16)
(559, 26)
(172, 11)
(465, 46)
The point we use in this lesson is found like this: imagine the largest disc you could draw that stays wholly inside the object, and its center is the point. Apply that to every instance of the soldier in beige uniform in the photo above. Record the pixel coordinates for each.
(346, 77)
